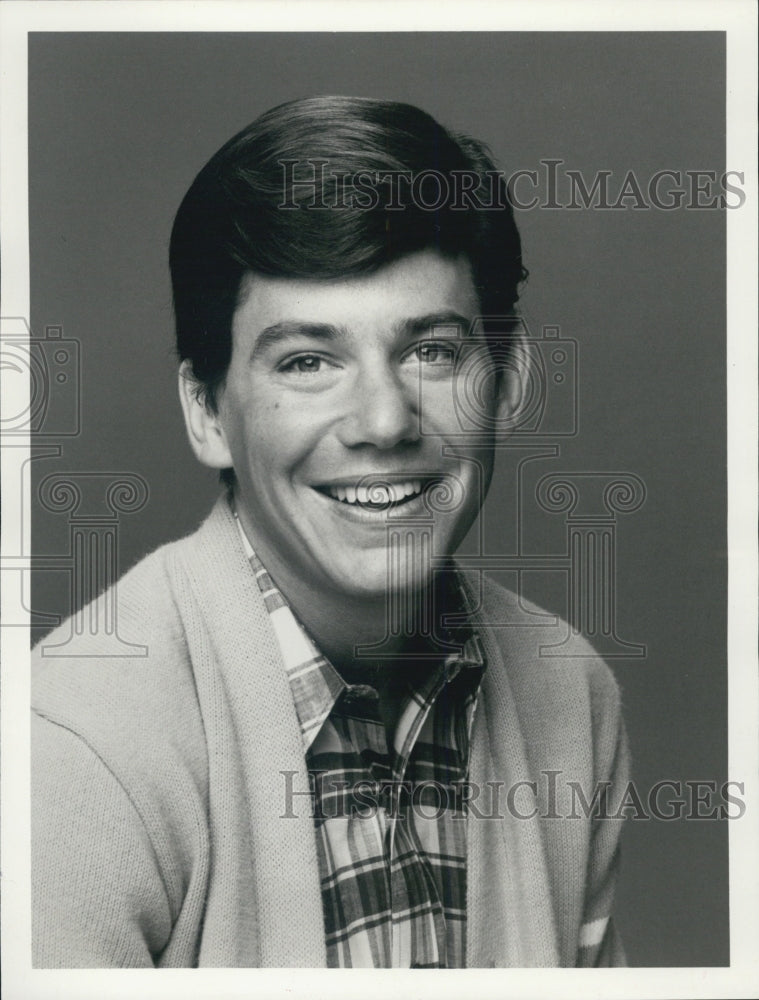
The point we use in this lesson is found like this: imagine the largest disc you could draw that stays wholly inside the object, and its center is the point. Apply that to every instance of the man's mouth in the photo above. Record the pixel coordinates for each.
(379, 495)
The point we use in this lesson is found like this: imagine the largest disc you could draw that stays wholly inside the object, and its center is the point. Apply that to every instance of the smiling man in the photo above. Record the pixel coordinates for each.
(320, 418)
(335, 751)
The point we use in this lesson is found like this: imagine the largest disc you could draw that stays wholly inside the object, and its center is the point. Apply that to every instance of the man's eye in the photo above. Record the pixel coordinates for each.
(306, 364)
(436, 354)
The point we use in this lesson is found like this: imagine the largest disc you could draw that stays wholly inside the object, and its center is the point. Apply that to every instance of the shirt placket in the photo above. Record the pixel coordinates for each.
(413, 716)
(361, 704)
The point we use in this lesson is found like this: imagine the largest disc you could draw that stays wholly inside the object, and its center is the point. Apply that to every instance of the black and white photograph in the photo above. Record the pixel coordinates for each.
(379, 493)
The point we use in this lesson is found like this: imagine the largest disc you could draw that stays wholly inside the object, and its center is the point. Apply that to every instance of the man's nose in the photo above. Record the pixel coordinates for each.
(383, 409)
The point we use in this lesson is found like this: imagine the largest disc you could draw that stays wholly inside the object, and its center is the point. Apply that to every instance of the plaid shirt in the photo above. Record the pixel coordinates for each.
(390, 822)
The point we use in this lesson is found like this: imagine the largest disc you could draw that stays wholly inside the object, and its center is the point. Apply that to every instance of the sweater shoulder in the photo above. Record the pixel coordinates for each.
(569, 706)
(118, 674)
(538, 661)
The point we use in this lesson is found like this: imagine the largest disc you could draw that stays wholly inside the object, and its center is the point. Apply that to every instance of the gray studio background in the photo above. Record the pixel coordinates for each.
(120, 123)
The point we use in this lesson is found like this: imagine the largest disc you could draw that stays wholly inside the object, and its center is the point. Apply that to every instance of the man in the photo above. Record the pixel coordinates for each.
(335, 751)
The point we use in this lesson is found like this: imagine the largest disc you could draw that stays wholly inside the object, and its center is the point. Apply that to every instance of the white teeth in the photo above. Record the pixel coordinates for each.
(380, 493)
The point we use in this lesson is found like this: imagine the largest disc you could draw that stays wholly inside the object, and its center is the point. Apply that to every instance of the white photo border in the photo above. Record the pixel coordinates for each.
(738, 19)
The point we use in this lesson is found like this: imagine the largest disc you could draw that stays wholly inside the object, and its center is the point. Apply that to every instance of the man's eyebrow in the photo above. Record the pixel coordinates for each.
(273, 335)
(427, 323)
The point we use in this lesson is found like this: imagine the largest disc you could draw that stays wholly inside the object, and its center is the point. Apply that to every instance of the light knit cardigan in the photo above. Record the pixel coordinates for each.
(158, 788)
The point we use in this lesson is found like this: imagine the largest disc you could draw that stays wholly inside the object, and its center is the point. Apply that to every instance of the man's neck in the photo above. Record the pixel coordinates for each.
(354, 633)
(355, 638)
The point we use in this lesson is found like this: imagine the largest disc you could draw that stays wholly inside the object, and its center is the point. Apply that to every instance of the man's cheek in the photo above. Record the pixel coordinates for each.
(438, 415)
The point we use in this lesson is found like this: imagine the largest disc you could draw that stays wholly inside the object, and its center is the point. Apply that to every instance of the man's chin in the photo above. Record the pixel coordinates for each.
(385, 585)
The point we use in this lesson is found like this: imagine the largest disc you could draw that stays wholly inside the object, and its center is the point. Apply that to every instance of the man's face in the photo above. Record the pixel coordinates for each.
(340, 393)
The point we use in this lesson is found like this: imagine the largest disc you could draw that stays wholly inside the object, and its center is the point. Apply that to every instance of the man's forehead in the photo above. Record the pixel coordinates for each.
(401, 295)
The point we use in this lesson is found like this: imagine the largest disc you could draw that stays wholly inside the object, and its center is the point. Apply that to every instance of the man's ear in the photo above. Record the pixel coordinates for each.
(204, 429)
(514, 382)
